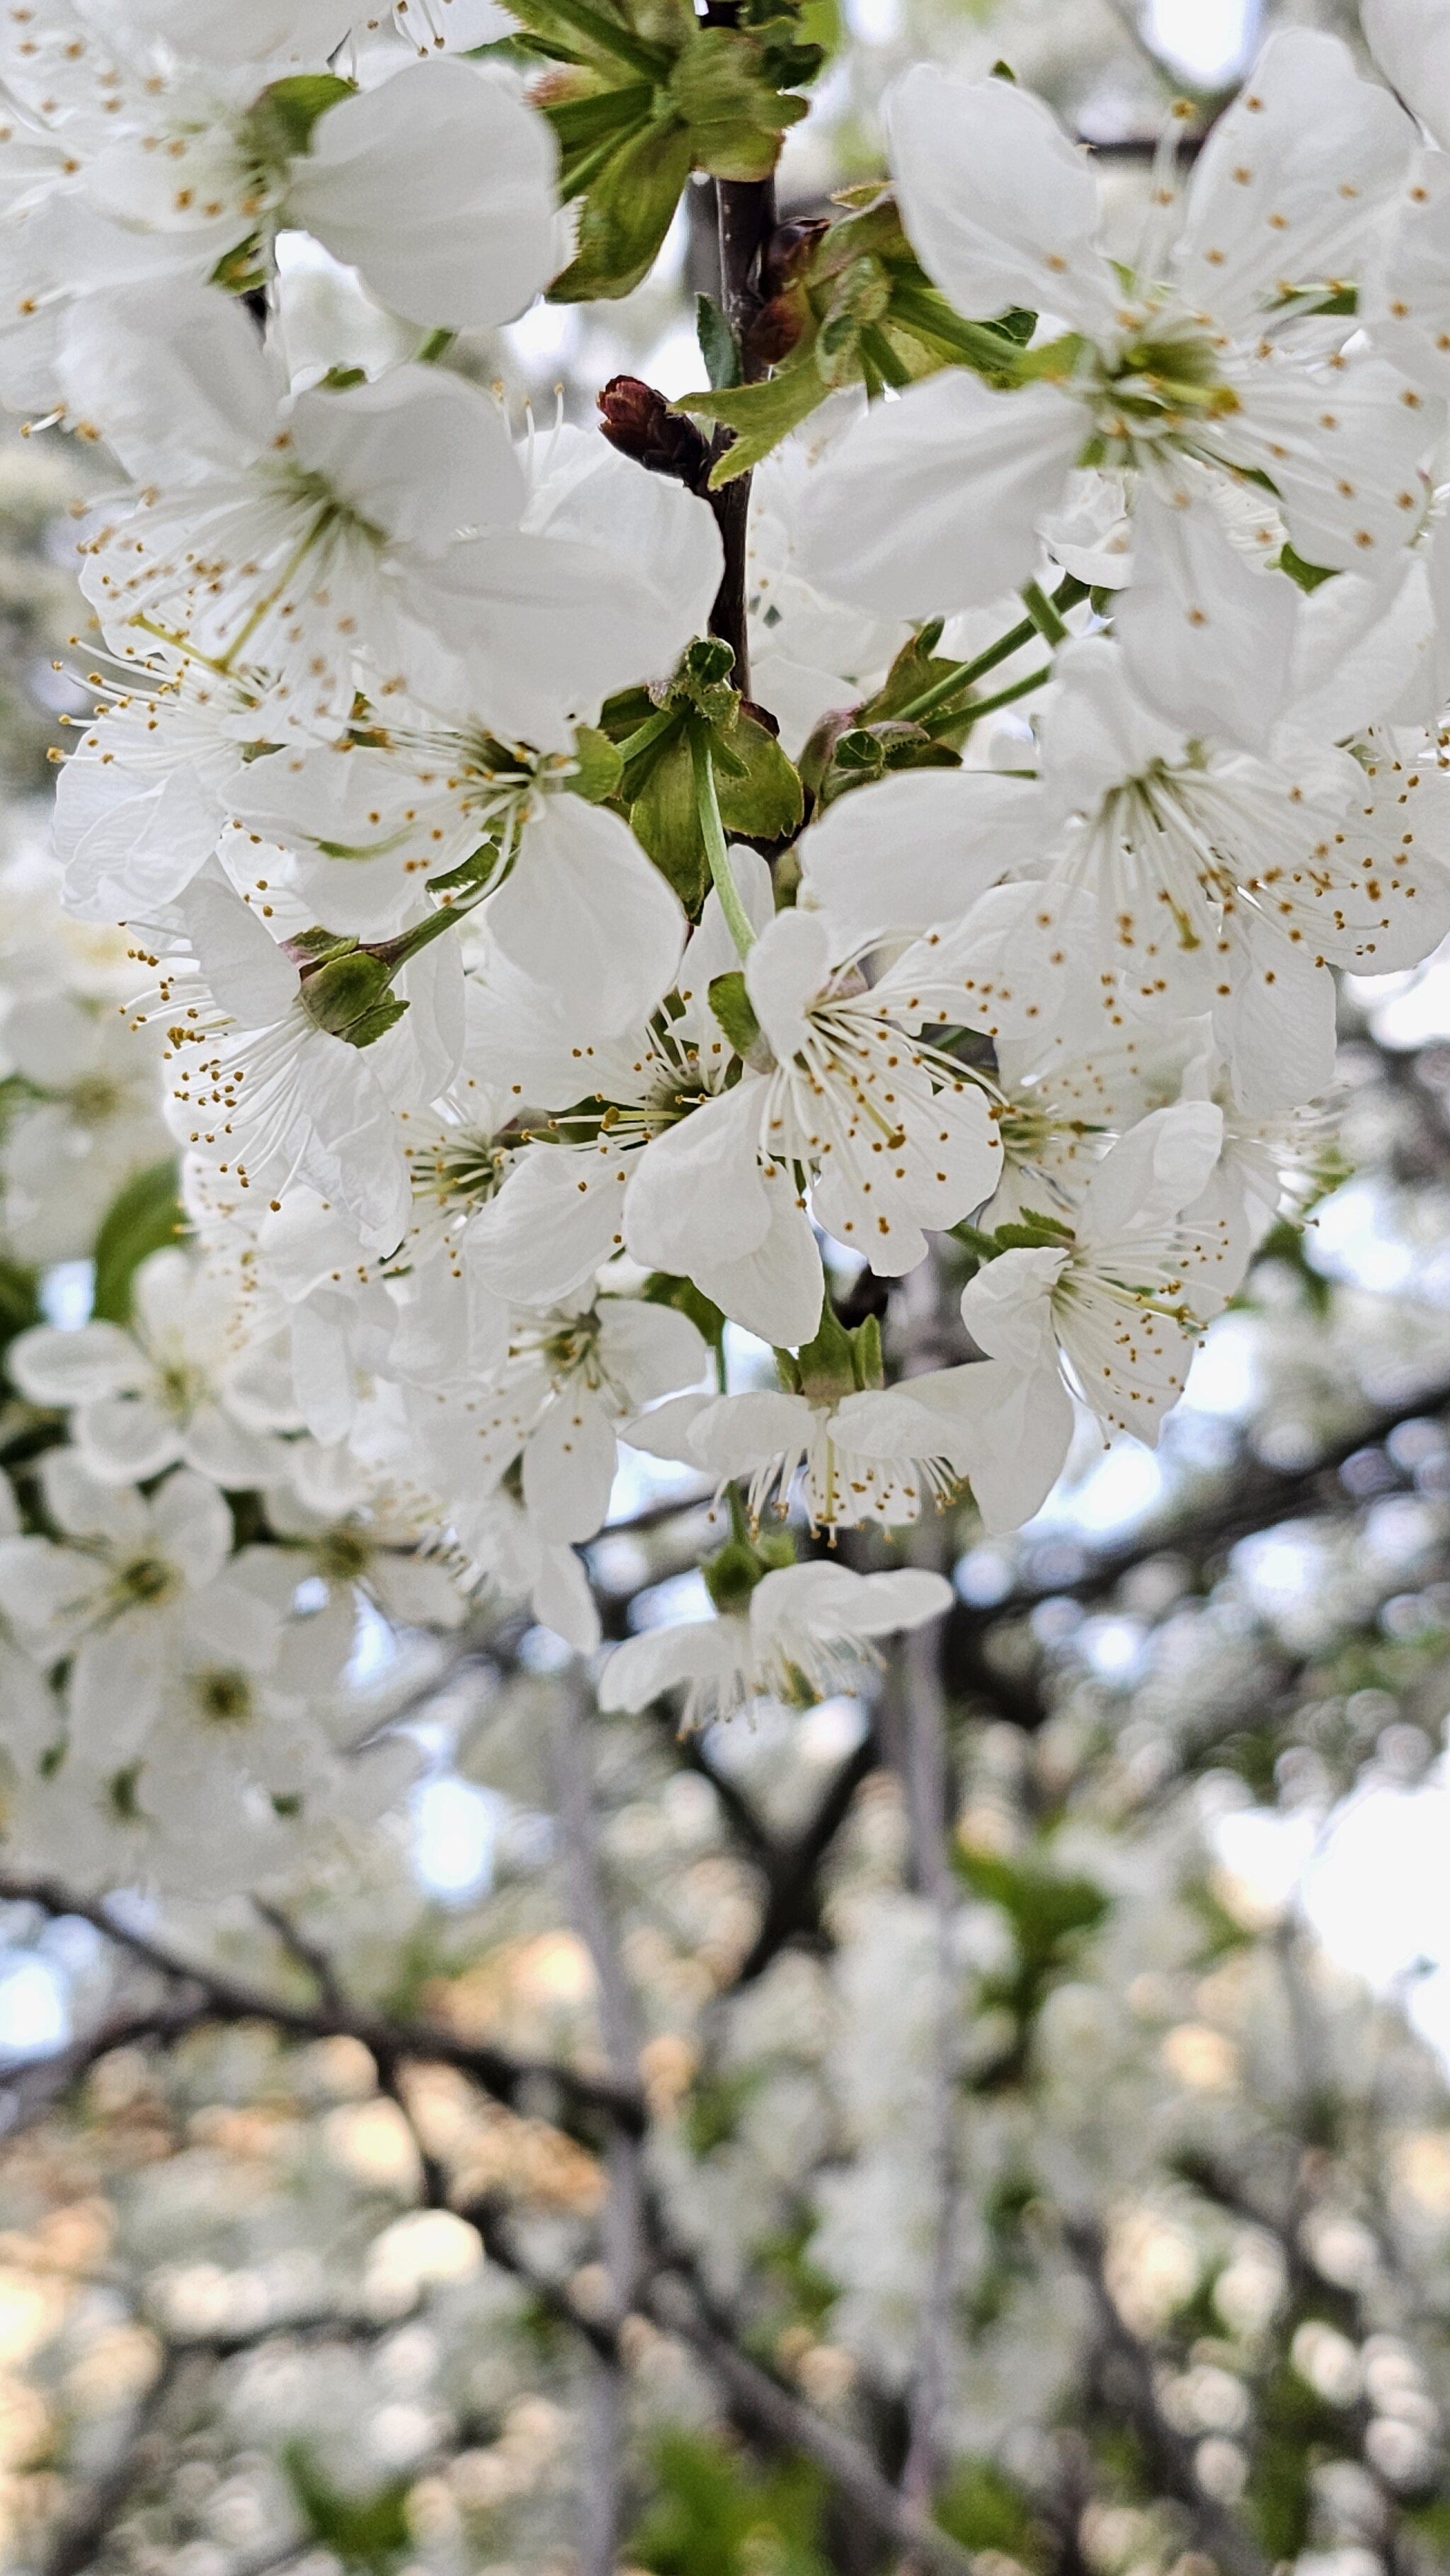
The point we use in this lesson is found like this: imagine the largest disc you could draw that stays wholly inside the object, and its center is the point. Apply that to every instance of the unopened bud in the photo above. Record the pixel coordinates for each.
(639, 422)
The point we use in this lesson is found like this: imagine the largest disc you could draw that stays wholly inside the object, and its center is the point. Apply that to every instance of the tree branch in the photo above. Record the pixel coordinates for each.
(510, 2080)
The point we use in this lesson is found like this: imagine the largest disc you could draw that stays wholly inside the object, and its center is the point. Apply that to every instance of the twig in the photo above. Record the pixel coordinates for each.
(509, 2079)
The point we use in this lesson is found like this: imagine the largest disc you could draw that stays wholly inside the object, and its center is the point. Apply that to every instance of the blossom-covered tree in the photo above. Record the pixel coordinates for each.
(641, 1044)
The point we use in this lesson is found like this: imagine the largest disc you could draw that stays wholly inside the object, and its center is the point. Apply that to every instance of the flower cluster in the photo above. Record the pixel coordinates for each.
(542, 1020)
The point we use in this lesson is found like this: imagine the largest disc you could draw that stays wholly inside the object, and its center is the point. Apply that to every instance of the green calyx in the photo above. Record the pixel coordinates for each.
(346, 985)
(661, 742)
(278, 127)
(742, 1563)
(842, 1360)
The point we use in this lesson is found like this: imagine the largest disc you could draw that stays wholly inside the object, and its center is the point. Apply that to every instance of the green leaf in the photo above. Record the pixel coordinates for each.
(279, 126)
(626, 214)
(370, 2531)
(718, 345)
(714, 2517)
(19, 1300)
(760, 415)
(761, 797)
(983, 2510)
(147, 1216)
(860, 296)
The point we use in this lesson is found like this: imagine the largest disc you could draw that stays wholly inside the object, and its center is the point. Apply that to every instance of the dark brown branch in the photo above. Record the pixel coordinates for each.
(510, 2080)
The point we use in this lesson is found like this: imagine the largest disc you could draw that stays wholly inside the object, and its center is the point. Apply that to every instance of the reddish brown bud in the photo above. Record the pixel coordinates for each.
(639, 422)
(787, 256)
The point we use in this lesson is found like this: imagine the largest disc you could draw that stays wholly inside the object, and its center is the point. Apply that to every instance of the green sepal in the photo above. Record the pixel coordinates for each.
(718, 345)
(279, 126)
(594, 32)
(145, 1217)
(733, 1008)
(760, 793)
(598, 768)
(348, 996)
(475, 870)
(867, 1355)
(1309, 576)
(841, 1360)
(626, 214)
(865, 753)
(244, 269)
(732, 1575)
(917, 667)
(664, 817)
(370, 1025)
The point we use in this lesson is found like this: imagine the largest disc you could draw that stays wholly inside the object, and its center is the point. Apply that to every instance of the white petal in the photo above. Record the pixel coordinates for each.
(1000, 207)
(587, 914)
(777, 1290)
(738, 1432)
(174, 375)
(1276, 1025)
(191, 1525)
(1007, 1308)
(697, 1194)
(666, 1432)
(1292, 178)
(98, 1360)
(915, 849)
(83, 1508)
(438, 186)
(1410, 41)
(127, 1438)
(249, 974)
(558, 1216)
(418, 452)
(784, 972)
(569, 1466)
(647, 1666)
(1207, 640)
(1153, 1172)
(648, 1350)
(930, 503)
(563, 1601)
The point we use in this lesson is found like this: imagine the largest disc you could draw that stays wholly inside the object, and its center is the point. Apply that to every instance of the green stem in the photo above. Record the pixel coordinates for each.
(988, 706)
(928, 316)
(643, 735)
(1044, 616)
(1069, 591)
(713, 830)
(436, 346)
